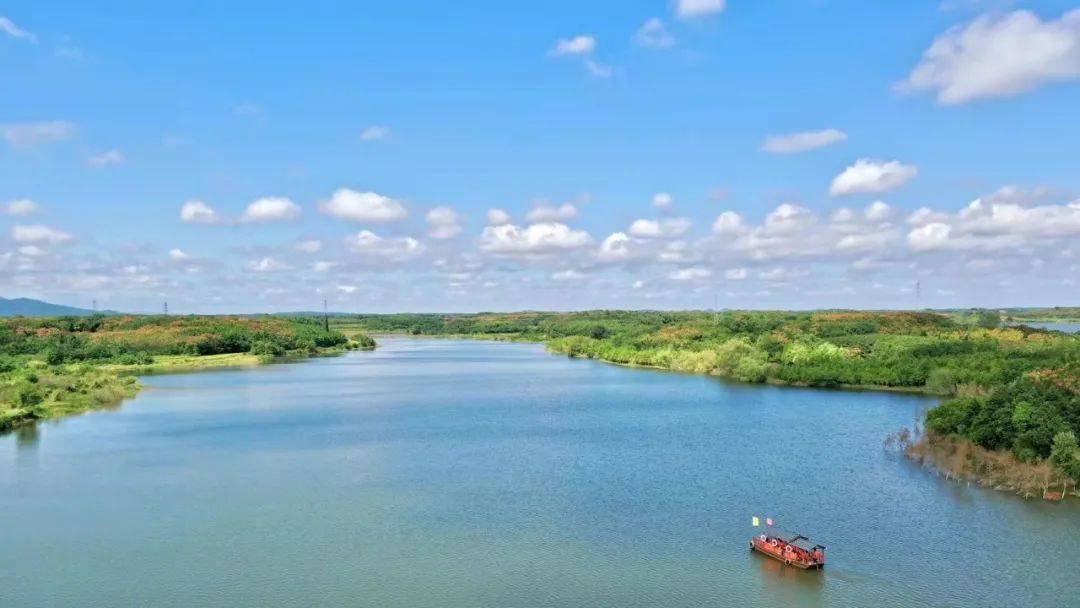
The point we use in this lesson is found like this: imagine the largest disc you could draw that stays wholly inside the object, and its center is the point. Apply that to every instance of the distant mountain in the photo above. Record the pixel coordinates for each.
(26, 307)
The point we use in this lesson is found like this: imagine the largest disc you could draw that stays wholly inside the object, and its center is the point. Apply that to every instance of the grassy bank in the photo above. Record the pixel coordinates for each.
(1011, 391)
(60, 366)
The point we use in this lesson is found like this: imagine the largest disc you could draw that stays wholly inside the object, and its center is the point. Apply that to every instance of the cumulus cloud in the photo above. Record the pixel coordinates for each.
(375, 133)
(868, 176)
(551, 213)
(998, 56)
(270, 209)
(496, 217)
(578, 45)
(657, 229)
(395, 249)
(802, 142)
(37, 233)
(542, 238)
(177, 255)
(443, 223)
(20, 207)
(617, 247)
(728, 223)
(736, 274)
(106, 159)
(995, 222)
(690, 9)
(653, 34)
(267, 264)
(364, 207)
(29, 134)
(198, 212)
(689, 274)
(8, 27)
(662, 200)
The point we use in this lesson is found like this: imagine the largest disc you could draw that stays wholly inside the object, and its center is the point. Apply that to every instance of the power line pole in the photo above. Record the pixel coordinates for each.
(918, 293)
(165, 307)
(325, 317)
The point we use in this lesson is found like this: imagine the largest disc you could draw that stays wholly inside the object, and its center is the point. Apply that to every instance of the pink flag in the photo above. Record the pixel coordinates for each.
(768, 521)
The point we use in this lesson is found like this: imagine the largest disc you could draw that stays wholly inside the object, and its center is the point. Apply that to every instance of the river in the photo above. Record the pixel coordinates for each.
(450, 473)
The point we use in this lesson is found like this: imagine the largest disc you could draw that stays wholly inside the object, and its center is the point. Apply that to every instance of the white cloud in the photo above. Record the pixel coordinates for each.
(198, 212)
(267, 264)
(662, 200)
(619, 247)
(348, 288)
(998, 56)
(578, 45)
(551, 213)
(639, 284)
(868, 176)
(443, 222)
(598, 69)
(375, 133)
(536, 239)
(567, 275)
(177, 255)
(496, 217)
(364, 207)
(926, 215)
(8, 27)
(21, 207)
(729, 223)
(397, 249)
(270, 209)
(655, 229)
(106, 159)
(735, 274)
(29, 134)
(931, 236)
(690, 9)
(38, 234)
(653, 34)
(878, 211)
(802, 142)
(309, 246)
(690, 274)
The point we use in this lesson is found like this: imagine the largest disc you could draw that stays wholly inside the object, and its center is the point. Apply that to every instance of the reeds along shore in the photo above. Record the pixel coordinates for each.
(1014, 391)
(61, 366)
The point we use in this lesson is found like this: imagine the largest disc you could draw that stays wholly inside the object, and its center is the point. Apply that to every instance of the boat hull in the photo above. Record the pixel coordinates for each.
(756, 545)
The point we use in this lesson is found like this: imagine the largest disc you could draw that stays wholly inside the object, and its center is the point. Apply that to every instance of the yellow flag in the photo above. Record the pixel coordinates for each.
(756, 521)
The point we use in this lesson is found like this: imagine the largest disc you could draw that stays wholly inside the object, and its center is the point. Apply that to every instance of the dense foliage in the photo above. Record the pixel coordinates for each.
(54, 366)
(1008, 388)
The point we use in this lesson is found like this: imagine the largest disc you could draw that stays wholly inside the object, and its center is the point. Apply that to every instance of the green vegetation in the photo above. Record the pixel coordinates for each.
(1013, 390)
(52, 367)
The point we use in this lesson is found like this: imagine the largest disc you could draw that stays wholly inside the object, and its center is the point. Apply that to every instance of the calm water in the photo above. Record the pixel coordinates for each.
(1069, 328)
(446, 473)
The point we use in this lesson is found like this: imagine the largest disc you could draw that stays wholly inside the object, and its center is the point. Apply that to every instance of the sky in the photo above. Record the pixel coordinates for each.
(489, 156)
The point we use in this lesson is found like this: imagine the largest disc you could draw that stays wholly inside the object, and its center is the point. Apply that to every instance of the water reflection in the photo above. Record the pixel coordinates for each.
(787, 584)
(27, 437)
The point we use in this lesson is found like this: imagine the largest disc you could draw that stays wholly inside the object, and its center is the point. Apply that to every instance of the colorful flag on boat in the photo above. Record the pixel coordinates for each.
(768, 521)
(755, 521)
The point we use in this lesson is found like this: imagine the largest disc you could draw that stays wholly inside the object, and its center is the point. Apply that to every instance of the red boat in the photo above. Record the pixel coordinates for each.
(793, 550)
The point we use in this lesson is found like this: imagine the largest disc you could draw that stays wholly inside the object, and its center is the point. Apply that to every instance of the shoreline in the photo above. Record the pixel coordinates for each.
(111, 384)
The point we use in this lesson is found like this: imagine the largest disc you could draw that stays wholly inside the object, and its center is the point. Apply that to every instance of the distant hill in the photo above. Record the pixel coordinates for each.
(26, 307)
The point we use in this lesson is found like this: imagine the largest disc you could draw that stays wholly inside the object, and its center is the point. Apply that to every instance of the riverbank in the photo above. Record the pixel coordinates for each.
(50, 368)
(1013, 391)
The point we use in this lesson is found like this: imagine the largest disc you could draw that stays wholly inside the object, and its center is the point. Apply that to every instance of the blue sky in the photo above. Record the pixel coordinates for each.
(115, 115)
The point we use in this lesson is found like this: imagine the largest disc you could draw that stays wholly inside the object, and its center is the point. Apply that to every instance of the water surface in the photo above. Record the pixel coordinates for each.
(460, 473)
